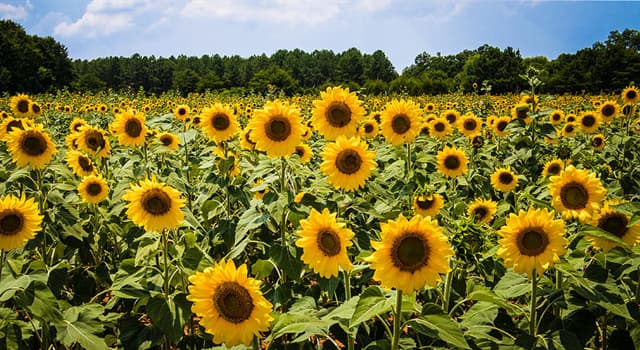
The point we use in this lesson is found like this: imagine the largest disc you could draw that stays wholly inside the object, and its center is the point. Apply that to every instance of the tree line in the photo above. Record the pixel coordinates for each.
(33, 64)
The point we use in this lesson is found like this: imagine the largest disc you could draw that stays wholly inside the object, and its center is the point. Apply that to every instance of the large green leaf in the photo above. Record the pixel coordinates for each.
(81, 325)
(372, 302)
(169, 315)
(10, 286)
(441, 327)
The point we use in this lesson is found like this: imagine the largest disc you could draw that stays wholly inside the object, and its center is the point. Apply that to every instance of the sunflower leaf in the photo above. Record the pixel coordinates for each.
(441, 327)
(372, 303)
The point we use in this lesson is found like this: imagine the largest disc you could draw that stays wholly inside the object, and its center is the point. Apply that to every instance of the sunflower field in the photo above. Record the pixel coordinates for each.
(331, 221)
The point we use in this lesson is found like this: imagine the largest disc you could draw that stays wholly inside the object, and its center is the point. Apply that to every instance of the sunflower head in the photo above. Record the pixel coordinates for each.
(598, 141)
(93, 189)
(19, 221)
(219, 123)
(80, 164)
(451, 116)
(369, 129)
(169, 140)
(589, 121)
(553, 167)
(94, 141)
(504, 180)
(616, 223)
(609, 111)
(337, 113)
(631, 95)
(31, 147)
(521, 112)
(304, 152)
(576, 193)
(569, 129)
(428, 205)
(348, 163)
(19, 105)
(452, 162)
(154, 205)
(181, 112)
(470, 125)
(130, 128)
(482, 210)
(400, 121)
(276, 129)
(440, 128)
(556, 116)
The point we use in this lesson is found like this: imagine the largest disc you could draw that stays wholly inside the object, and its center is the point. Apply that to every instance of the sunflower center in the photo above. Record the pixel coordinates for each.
(555, 117)
(23, 106)
(608, 110)
(588, 120)
(33, 144)
(425, 202)
(502, 125)
(480, 213)
(166, 140)
(410, 252)
(452, 162)
(233, 302)
(196, 120)
(400, 123)
(11, 222)
(85, 163)
(220, 121)
(569, 128)
(451, 118)
(278, 128)
(77, 126)
(470, 124)
(133, 128)
(300, 151)
(35, 108)
(554, 169)
(348, 161)
(505, 178)
(14, 124)
(95, 140)
(631, 94)
(368, 128)
(338, 114)
(522, 113)
(439, 127)
(94, 189)
(615, 223)
(574, 196)
(329, 242)
(156, 202)
(533, 241)
(596, 141)
(182, 111)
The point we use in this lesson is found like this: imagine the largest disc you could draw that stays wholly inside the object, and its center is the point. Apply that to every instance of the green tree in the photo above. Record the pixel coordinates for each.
(185, 81)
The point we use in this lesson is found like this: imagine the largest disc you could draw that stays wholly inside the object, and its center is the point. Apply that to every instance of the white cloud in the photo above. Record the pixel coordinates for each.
(9, 11)
(94, 24)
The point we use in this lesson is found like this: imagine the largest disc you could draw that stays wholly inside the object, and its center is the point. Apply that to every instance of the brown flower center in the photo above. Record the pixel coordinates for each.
(33, 143)
(410, 251)
(300, 151)
(166, 140)
(233, 302)
(588, 120)
(11, 222)
(502, 125)
(182, 111)
(94, 189)
(338, 114)
(452, 162)
(400, 123)
(505, 178)
(469, 124)
(631, 95)
(35, 108)
(451, 118)
(533, 241)
(220, 121)
(95, 140)
(556, 117)
(278, 128)
(348, 161)
(568, 128)
(608, 111)
(133, 127)
(14, 124)
(439, 127)
(574, 196)
(521, 113)
(368, 128)
(597, 141)
(425, 202)
(23, 106)
(85, 163)
(554, 169)
(480, 213)
(615, 223)
(156, 202)
(328, 242)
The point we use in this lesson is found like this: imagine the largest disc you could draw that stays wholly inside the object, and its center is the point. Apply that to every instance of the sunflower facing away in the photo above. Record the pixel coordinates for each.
(631, 95)
(93, 189)
(400, 121)
(553, 167)
(452, 162)
(32, 147)
(521, 112)
(19, 105)
(337, 113)
(230, 304)
(276, 129)
(576, 193)
(169, 140)
(154, 205)
(532, 241)
(324, 243)
(19, 221)
(411, 254)
(80, 164)
(504, 180)
(428, 205)
(347, 163)
(130, 128)
(482, 210)
(94, 141)
(617, 223)
(219, 123)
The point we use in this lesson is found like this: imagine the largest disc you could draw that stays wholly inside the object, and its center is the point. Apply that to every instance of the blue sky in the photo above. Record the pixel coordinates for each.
(401, 28)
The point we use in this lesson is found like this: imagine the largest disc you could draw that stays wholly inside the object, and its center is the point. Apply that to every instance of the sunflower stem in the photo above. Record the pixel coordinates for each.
(41, 200)
(638, 287)
(165, 253)
(446, 297)
(3, 256)
(396, 320)
(556, 308)
(532, 318)
(407, 174)
(347, 297)
(146, 159)
(186, 166)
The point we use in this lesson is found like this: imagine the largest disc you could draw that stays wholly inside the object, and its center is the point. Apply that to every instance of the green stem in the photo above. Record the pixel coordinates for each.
(146, 159)
(446, 298)
(41, 202)
(165, 253)
(556, 308)
(604, 331)
(638, 287)
(534, 289)
(347, 293)
(3, 256)
(283, 191)
(396, 321)
(408, 175)
(186, 165)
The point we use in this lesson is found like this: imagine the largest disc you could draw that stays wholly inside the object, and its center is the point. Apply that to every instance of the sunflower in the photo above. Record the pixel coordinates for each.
(500, 126)
(451, 116)
(576, 193)
(219, 123)
(32, 147)
(230, 304)
(276, 129)
(80, 164)
(400, 121)
(430, 107)
(571, 118)
(609, 111)
(77, 124)
(521, 112)
(169, 140)
(93, 189)
(532, 241)
(411, 254)
(347, 163)
(20, 105)
(337, 113)
(428, 205)
(504, 180)
(452, 162)
(181, 112)
(615, 222)
(304, 152)
(369, 129)
(130, 128)
(598, 141)
(556, 116)
(324, 243)
(553, 167)
(482, 210)
(154, 205)
(35, 109)
(569, 130)
(469, 125)
(631, 95)
(11, 124)
(440, 128)
(589, 121)
(19, 221)
(246, 141)
(94, 141)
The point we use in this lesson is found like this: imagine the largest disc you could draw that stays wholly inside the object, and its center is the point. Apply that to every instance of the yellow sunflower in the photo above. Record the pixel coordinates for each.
(452, 162)
(130, 128)
(324, 243)
(11, 124)
(521, 112)
(571, 118)
(230, 304)
(219, 123)
(181, 112)
(35, 109)
(19, 221)
(80, 164)
(304, 152)
(169, 140)
(19, 105)
(400, 121)
(500, 126)
(93, 141)
(451, 116)
(440, 128)
(631, 95)
(598, 142)
(347, 163)
(615, 222)
(556, 116)
(246, 141)
(337, 113)
(32, 147)
(504, 180)
(469, 125)
(93, 189)
(77, 124)
(482, 210)
(609, 111)
(369, 129)
(589, 121)
(154, 205)
(532, 241)
(569, 130)
(276, 129)
(428, 205)
(411, 254)
(576, 193)
(553, 167)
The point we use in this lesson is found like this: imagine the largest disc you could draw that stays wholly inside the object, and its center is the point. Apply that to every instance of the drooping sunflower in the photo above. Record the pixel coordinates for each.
(440, 128)
(609, 111)
(400, 121)
(556, 116)
(615, 222)
(32, 147)
(452, 162)
(428, 205)
(94, 141)
(504, 179)
(337, 113)
(19, 221)
(169, 140)
(19, 105)
(276, 129)
(80, 164)
(77, 124)
(553, 167)
(521, 112)
(576, 193)
(411, 254)
(324, 243)
(304, 152)
(93, 189)
(230, 303)
(469, 125)
(589, 121)
(130, 128)
(482, 210)
(532, 241)
(181, 112)
(369, 129)
(631, 95)
(154, 205)
(500, 126)
(451, 116)
(347, 163)
(219, 123)
(598, 142)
